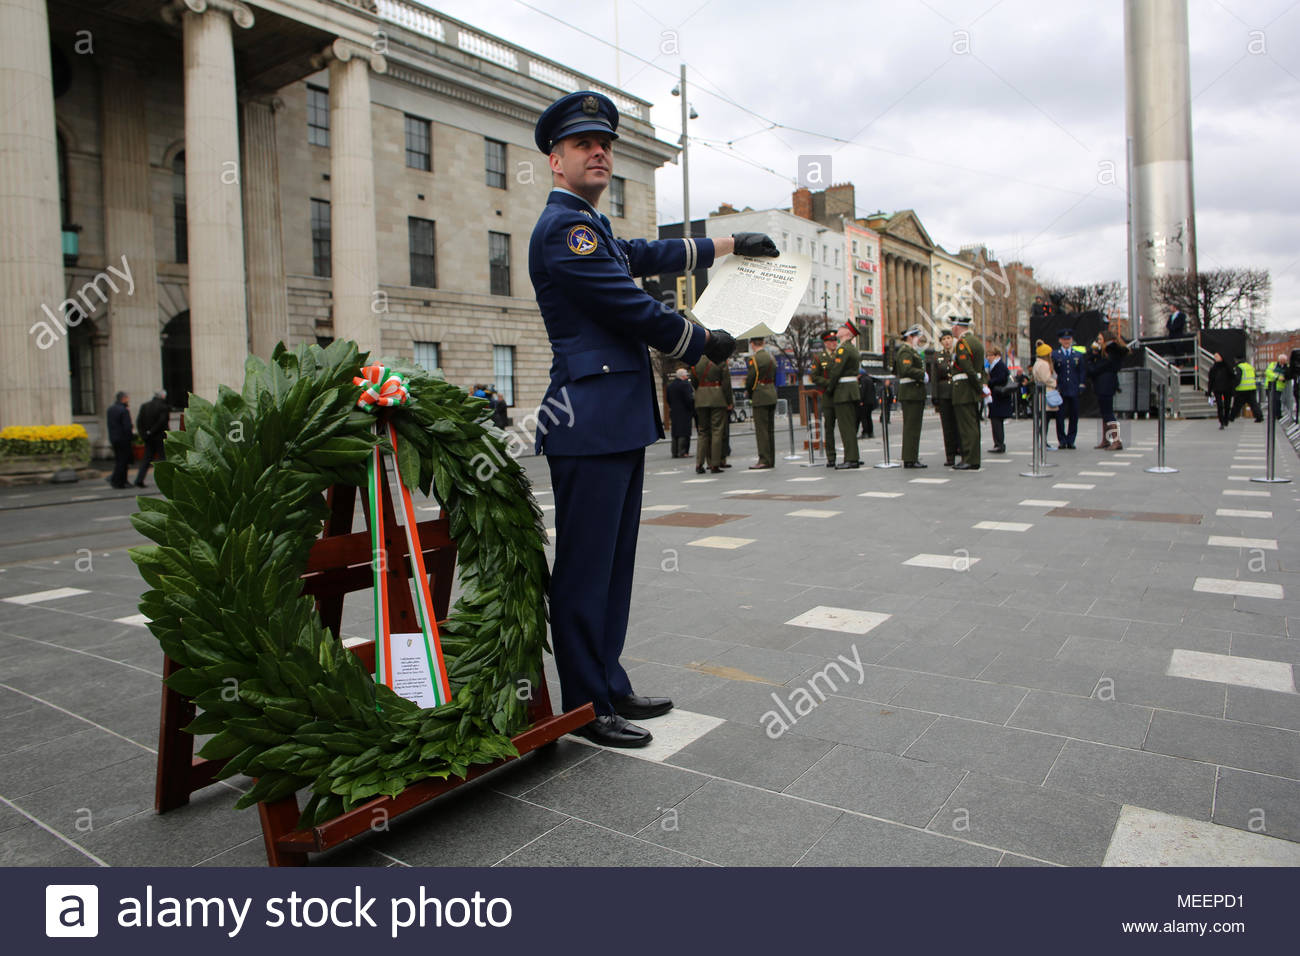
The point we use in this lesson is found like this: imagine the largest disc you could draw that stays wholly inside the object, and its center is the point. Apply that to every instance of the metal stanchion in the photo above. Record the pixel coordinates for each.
(1270, 443)
(1160, 468)
(789, 417)
(814, 428)
(1038, 422)
(885, 410)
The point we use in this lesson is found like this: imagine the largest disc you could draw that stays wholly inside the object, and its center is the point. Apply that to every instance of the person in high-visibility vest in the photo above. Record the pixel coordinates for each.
(1275, 379)
(1245, 393)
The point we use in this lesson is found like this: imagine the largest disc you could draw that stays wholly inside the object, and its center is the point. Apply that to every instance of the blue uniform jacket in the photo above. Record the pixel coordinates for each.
(601, 399)
(1070, 368)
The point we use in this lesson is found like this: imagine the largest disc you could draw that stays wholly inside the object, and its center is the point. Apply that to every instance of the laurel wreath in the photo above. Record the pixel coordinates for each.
(244, 500)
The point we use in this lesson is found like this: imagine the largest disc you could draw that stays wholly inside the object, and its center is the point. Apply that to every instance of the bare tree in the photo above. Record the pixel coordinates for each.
(1089, 297)
(1219, 298)
(801, 340)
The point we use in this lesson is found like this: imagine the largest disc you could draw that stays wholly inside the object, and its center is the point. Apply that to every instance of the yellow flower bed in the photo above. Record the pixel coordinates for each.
(69, 442)
(43, 432)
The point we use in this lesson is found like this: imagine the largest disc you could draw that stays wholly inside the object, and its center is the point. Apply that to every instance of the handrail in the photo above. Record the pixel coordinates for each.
(1163, 369)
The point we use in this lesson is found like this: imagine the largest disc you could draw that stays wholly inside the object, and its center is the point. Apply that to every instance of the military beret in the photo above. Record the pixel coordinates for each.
(581, 112)
(850, 327)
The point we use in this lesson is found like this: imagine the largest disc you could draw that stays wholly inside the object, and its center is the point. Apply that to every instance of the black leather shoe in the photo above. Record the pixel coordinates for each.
(830, 464)
(611, 730)
(965, 466)
(699, 470)
(915, 464)
(846, 466)
(636, 707)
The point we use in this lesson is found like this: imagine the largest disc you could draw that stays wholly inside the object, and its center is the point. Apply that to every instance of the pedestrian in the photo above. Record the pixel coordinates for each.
(710, 413)
(1104, 362)
(1275, 381)
(600, 322)
(821, 366)
(1044, 376)
(760, 387)
(1068, 363)
(1002, 406)
(867, 403)
(500, 410)
(941, 387)
(1244, 384)
(681, 412)
(842, 388)
(909, 367)
(1220, 383)
(968, 382)
(119, 436)
(151, 423)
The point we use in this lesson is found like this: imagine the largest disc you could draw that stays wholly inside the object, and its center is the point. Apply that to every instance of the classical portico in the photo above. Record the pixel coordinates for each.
(905, 249)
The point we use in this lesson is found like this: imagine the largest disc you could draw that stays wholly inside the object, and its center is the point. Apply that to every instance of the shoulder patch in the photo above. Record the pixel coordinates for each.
(839, 351)
(581, 240)
(907, 361)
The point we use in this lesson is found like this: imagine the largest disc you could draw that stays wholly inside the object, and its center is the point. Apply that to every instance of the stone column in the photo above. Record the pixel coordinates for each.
(218, 307)
(35, 392)
(134, 359)
(268, 301)
(909, 290)
(918, 303)
(354, 256)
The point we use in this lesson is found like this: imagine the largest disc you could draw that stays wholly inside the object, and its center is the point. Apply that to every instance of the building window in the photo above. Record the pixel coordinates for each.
(798, 243)
(81, 365)
(424, 270)
(318, 116)
(494, 162)
(837, 295)
(419, 143)
(320, 238)
(855, 247)
(499, 262)
(826, 254)
(180, 224)
(785, 241)
(837, 257)
(616, 197)
(427, 355)
(503, 371)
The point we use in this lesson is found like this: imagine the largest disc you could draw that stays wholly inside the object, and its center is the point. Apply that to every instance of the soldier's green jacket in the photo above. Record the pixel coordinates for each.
(709, 380)
(842, 374)
(820, 366)
(968, 361)
(943, 362)
(909, 366)
(760, 378)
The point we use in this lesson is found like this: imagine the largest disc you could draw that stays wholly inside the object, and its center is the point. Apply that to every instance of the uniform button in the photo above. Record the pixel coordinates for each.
(604, 368)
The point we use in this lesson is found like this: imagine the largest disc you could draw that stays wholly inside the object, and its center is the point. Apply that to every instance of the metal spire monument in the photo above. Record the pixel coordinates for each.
(1157, 79)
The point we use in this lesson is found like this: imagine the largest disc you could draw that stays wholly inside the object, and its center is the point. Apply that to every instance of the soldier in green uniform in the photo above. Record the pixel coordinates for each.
(760, 387)
(943, 372)
(909, 367)
(821, 364)
(842, 391)
(968, 380)
(710, 412)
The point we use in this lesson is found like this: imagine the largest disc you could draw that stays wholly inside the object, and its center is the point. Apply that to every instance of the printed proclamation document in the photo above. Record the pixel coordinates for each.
(747, 291)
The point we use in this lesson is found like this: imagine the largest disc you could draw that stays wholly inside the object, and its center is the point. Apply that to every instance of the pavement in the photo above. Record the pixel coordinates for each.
(871, 668)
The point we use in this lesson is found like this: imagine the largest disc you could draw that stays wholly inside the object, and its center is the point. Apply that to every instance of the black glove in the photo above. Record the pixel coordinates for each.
(755, 244)
(720, 346)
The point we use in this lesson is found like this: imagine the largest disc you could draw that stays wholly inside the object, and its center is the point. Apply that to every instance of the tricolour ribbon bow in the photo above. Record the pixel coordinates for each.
(382, 388)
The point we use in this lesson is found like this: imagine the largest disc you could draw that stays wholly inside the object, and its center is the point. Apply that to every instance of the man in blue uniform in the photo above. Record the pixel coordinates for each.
(1069, 363)
(599, 322)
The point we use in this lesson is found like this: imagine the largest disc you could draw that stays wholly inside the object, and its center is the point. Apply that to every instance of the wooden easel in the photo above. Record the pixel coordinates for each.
(339, 564)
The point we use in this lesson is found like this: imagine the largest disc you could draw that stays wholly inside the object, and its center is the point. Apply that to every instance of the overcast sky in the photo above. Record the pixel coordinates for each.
(998, 122)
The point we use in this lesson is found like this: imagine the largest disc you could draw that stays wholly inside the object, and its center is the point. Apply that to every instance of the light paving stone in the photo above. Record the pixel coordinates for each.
(1226, 669)
(1072, 486)
(881, 494)
(846, 620)
(1002, 526)
(1226, 541)
(135, 620)
(53, 594)
(698, 481)
(671, 732)
(812, 513)
(1259, 589)
(1241, 513)
(1065, 828)
(808, 478)
(1044, 503)
(721, 541)
(745, 491)
(1097, 474)
(948, 562)
(1145, 837)
(1247, 494)
(930, 481)
(665, 507)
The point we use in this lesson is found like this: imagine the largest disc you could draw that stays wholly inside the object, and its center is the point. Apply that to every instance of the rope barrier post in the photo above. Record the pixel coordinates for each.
(1038, 422)
(885, 410)
(1270, 442)
(1160, 468)
(812, 408)
(789, 418)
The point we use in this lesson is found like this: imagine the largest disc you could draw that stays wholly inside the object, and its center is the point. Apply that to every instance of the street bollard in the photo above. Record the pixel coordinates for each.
(1160, 468)
(1038, 422)
(1270, 443)
(885, 410)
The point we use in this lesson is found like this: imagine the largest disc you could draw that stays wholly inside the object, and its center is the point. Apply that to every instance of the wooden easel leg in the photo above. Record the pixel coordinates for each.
(175, 747)
(278, 819)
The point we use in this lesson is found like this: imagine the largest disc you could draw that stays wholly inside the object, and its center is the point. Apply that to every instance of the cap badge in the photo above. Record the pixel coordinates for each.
(590, 106)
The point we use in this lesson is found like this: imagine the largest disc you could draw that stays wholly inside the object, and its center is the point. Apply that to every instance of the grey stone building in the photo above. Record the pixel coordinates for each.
(187, 182)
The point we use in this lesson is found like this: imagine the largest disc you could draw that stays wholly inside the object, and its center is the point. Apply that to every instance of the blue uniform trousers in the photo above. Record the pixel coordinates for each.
(1067, 420)
(597, 517)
